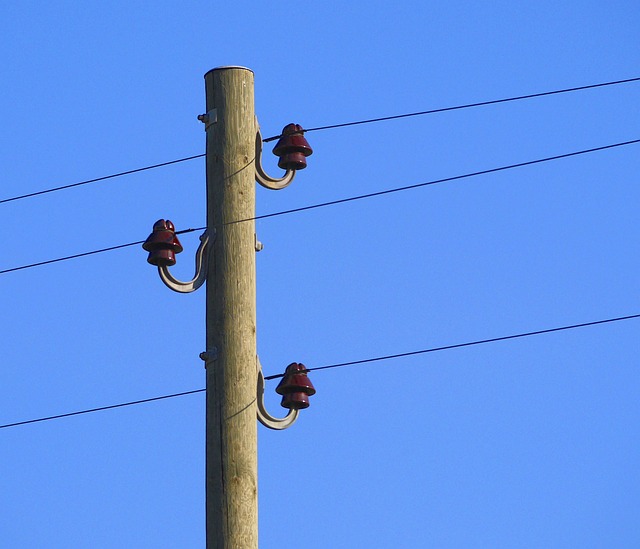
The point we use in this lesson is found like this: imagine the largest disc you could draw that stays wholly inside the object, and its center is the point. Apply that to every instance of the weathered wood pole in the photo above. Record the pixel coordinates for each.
(231, 427)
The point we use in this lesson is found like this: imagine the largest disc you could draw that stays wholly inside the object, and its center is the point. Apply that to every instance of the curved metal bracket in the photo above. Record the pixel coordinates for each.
(275, 184)
(201, 271)
(265, 417)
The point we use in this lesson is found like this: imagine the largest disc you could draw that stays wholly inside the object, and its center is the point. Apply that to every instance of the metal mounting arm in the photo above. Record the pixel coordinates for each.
(201, 271)
(265, 417)
(265, 180)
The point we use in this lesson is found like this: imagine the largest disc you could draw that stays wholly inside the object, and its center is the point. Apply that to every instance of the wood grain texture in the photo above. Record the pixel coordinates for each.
(231, 446)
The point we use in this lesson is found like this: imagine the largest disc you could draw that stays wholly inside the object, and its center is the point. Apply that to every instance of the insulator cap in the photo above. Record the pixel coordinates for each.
(162, 244)
(292, 148)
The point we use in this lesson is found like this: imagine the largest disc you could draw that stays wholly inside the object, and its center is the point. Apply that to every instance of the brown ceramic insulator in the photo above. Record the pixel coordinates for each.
(292, 148)
(162, 244)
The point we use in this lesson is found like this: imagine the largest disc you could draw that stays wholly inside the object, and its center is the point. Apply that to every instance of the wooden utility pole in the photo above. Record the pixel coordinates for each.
(231, 437)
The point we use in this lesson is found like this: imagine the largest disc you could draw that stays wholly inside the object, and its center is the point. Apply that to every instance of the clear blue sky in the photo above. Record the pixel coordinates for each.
(527, 443)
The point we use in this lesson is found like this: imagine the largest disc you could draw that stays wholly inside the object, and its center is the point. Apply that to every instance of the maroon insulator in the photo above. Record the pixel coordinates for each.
(295, 401)
(296, 387)
(162, 244)
(292, 148)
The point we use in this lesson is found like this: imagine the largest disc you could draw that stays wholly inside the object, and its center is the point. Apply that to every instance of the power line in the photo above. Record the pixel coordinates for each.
(87, 181)
(349, 199)
(83, 254)
(459, 107)
(332, 126)
(468, 344)
(101, 408)
(71, 257)
(436, 181)
(340, 365)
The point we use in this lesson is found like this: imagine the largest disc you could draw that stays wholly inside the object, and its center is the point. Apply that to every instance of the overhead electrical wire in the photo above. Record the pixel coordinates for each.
(468, 344)
(344, 200)
(87, 181)
(338, 365)
(459, 107)
(102, 408)
(324, 204)
(332, 126)
(436, 181)
(66, 258)
(83, 254)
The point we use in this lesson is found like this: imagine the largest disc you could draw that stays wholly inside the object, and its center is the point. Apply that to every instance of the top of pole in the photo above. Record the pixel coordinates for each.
(226, 67)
